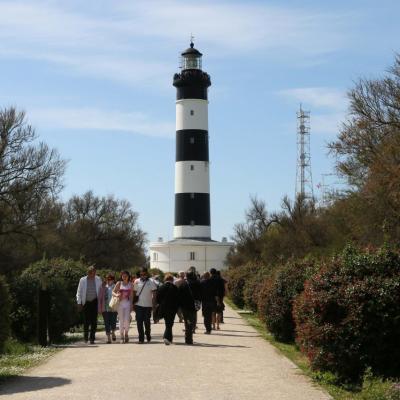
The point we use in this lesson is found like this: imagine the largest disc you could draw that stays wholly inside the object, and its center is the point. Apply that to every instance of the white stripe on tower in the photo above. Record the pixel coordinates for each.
(192, 114)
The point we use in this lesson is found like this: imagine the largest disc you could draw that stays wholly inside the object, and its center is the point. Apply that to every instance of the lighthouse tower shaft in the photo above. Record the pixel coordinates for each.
(192, 181)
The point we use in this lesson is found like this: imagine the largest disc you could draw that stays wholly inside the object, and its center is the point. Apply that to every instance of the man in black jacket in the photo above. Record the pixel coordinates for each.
(210, 298)
(189, 298)
(167, 300)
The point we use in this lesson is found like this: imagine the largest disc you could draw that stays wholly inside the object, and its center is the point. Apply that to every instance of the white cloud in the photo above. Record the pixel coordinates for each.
(328, 123)
(328, 106)
(100, 120)
(239, 27)
(132, 42)
(319, 97)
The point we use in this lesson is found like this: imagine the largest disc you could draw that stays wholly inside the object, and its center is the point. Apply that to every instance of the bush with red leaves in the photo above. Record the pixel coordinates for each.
(348, 317)
(275, 300)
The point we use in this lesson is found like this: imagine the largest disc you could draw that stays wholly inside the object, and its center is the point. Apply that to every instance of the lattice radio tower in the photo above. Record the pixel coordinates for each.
(304, 185)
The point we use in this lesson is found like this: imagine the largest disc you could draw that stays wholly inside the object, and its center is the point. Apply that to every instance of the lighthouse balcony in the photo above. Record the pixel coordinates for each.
(192, 76)
(192, 84)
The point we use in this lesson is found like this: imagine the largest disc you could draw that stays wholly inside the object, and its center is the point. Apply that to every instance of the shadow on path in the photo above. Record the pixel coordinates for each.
(211, 345)
(21, 384)
(233, 330)
(219, 333)
(76, 346)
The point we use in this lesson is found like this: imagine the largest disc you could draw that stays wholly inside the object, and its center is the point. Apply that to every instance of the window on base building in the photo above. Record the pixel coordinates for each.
(192, 167)
(155, 256)
(191, 112)
(192, 256)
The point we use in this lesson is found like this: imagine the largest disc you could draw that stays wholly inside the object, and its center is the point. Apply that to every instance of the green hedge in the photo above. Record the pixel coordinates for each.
(237, 278)
(5, 301)
(62, 278)
(348, 317)
(252, 287)
(278, 293)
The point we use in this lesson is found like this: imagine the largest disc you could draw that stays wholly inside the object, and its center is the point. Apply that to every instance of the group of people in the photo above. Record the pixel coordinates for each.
(183, 295)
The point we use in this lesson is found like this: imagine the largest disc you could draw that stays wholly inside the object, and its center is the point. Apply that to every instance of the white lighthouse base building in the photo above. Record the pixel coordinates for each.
(180, 254)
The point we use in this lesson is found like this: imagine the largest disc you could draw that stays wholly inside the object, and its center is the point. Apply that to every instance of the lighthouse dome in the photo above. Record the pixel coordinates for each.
(191, 51)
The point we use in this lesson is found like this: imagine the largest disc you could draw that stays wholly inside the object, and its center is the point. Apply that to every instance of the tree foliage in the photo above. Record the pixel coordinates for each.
(103, 230)
(368, 151)
(347, 318)
(266, 238)
(61, 279)
(33, 220)
(30, 174)
(248, 235)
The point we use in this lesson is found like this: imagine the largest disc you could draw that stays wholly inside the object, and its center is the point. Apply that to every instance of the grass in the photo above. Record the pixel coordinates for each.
(18, 357)
(372, 388)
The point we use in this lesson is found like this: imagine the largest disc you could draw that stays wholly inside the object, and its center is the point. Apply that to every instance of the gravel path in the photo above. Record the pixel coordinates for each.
(231, 364)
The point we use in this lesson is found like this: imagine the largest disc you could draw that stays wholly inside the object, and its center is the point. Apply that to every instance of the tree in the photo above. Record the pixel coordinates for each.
(372, 127)
(247, 236)
(30, 176)
(102, 230)
(368, 150)
(297, 230)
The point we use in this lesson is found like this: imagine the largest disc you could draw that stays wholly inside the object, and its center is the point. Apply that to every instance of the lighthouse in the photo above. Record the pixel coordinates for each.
(192, 180)
(192, 244)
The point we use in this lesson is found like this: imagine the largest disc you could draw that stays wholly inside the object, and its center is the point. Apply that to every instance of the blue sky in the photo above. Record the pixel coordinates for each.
(95, 79)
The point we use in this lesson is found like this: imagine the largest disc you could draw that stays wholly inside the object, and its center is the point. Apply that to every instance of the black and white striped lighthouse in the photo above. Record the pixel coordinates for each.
(192, 181)
(192, 244)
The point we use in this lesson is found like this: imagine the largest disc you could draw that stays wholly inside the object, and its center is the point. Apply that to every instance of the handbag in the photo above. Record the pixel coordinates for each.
(197, 305)
(114, 303)
(136, 297)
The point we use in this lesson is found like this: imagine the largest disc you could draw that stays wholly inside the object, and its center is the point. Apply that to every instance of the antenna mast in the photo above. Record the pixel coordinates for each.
(304, 185)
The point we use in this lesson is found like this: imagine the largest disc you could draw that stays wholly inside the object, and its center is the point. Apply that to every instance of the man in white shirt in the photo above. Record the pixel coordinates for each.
(86, 297)
(145, 292)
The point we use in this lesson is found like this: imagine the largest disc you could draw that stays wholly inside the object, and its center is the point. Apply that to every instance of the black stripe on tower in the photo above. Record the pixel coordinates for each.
(191, 92)
(192, 209)
(191, 145)
(192, 84)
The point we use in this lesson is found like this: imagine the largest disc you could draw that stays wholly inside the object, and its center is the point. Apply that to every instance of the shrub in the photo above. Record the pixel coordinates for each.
(263, 293)
(347, 318)
(4, 312)
(237, 278)
(62, 277)
(278, 296)
(252, 286)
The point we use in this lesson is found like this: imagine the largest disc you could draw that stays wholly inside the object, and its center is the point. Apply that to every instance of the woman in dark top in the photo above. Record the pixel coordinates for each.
(189, 301)
(210, 299)
(167, 300)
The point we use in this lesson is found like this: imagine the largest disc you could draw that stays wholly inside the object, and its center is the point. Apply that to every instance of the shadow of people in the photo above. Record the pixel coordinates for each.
(197, 344)
(250, 335)
(20, 384)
